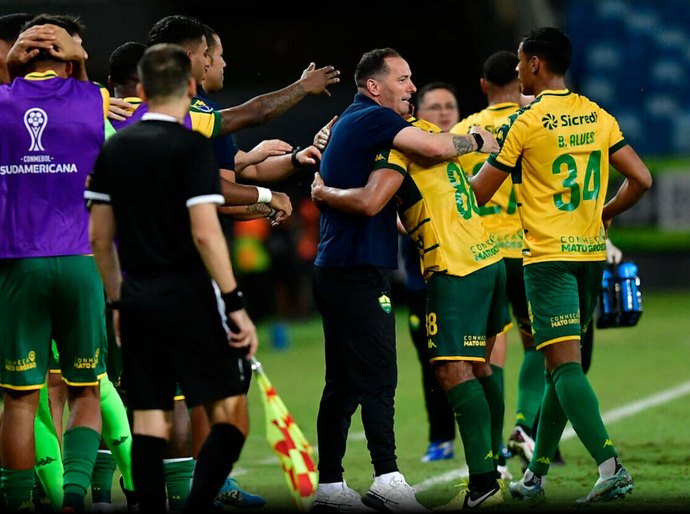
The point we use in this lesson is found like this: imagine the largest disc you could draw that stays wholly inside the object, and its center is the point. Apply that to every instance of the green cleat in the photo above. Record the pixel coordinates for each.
(608, 489)
(469, 499)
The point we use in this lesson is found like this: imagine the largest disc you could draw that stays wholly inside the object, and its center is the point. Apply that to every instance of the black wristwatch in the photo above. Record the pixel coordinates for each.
(479, 139)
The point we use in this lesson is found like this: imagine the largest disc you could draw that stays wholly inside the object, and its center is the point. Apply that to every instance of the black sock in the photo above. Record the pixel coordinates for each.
(147, 472)
(217, 456)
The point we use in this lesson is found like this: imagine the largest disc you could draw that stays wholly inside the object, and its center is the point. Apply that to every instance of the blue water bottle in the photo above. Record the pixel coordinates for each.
(607, 308)
(629, 294)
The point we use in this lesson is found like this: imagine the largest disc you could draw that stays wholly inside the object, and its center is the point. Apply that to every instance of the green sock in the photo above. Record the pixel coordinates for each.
(117, 432)
(552, 421)
(178, 481)
(498, 371)
(530, 388)
(474, 421)
(40, 498)
(582, 408)
(48, 467)
(80, 448)
(16, 487)
(494, 397)
(102, 477)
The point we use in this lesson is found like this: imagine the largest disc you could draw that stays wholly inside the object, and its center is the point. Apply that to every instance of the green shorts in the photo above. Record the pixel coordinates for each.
(561, 296)
(48, 298)
(516, 293)
(463, 311)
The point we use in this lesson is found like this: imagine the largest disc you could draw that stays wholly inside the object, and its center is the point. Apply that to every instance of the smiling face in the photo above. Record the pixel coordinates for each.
(394, 88)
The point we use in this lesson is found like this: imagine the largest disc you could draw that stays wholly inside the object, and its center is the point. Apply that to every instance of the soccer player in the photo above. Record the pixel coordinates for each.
(42, 161)
(435, 102)
(499, 82)
(558, 151)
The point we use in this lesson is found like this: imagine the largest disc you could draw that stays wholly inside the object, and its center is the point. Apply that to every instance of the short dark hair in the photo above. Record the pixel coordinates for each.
(164, 70)
(11, 25)
(123, 62)
(500, 68)
(551, 45)
(71, 24)
(176, 28)
(373, 63)
(432, 86)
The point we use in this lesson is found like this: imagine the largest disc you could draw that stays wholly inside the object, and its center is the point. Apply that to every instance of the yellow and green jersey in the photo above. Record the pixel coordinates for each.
(500, 213)
(557, 150)
(200, 118)
(439, 211)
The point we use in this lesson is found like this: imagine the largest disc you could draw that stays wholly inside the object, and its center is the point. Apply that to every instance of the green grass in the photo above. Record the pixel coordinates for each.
(629, 364)
(649, 239)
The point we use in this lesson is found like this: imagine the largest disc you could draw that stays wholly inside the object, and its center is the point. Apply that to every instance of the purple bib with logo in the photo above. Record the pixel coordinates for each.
(51, 131)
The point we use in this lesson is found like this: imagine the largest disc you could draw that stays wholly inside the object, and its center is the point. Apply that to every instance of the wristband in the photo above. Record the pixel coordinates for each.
(478, 139)
(265, 195)
(234, 300)
(112, 305)
(296, 162)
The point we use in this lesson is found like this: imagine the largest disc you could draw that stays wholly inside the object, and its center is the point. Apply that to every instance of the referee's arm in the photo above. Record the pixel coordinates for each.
(102, 238)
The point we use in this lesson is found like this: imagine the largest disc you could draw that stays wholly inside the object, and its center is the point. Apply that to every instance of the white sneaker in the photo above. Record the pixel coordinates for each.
(337, 498)
(390, 492)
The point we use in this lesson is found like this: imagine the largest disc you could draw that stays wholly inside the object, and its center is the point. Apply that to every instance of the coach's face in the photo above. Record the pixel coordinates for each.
(395, 88)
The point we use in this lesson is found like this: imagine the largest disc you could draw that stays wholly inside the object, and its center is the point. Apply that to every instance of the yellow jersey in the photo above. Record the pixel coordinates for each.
(438, 209)
(557, 151)
(500, 213)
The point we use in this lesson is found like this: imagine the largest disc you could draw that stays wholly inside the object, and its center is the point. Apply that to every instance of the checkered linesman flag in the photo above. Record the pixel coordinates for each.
(288, 441)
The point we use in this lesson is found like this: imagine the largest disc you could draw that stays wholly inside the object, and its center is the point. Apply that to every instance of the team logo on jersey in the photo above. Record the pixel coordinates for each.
(385, 303)
(549, 121)
(202, 106)
(35, 120)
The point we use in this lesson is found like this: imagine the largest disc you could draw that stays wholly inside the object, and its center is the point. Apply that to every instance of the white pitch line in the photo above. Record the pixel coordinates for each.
(609, 417)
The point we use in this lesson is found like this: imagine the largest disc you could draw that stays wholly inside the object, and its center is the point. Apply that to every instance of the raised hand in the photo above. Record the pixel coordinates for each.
(316, 81)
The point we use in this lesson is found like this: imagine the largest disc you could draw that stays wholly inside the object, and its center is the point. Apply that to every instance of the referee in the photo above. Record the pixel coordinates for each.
(181, 316)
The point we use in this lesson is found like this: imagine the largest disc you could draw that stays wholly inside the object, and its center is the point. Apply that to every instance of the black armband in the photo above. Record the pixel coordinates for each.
(234, 300)
(112, 305)
(295, 162)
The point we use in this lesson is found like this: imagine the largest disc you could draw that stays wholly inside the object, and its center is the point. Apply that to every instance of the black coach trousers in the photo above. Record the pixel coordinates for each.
(361, 365)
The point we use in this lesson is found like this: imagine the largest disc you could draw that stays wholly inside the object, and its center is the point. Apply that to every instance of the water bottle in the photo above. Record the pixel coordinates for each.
(607, 308)
(628, 294)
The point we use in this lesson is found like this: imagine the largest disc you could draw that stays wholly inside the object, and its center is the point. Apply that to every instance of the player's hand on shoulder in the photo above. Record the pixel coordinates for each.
(316, 81)
(120, 110)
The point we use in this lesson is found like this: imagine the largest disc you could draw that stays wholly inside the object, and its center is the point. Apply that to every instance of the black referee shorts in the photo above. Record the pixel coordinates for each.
(173, 331)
